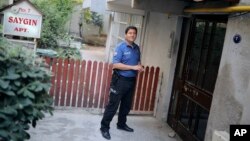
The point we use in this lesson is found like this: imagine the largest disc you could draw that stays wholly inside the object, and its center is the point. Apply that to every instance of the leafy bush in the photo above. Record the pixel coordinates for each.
(87, 15)
(68, 53)
(56, 14)
(24, 86)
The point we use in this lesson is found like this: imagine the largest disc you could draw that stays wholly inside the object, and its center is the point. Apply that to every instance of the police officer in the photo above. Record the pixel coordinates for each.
(126, 65)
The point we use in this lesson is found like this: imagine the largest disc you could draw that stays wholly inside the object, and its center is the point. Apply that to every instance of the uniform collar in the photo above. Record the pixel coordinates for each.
(132, 46)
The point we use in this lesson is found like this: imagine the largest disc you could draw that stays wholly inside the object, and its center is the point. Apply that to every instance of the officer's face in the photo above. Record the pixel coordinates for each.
(131, 35)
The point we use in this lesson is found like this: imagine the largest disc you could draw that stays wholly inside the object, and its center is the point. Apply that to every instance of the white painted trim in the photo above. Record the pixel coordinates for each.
(123, 9)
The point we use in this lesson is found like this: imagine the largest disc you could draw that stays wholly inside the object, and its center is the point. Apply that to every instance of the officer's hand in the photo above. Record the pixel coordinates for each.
(138, 68)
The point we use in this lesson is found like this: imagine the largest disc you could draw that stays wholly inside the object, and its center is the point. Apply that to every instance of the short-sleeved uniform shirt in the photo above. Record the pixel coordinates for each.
(128, 55)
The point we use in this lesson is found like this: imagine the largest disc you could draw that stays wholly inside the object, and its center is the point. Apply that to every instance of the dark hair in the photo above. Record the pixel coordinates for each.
(130, 27)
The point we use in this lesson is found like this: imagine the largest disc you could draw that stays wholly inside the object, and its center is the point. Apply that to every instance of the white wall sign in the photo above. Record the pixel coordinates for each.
(22, 20)
(22, 25)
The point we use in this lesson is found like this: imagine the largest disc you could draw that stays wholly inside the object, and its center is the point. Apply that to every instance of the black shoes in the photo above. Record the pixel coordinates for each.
(105, 134)
(125, 128)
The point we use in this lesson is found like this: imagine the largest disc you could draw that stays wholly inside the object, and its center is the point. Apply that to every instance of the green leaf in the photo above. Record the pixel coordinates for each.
(31, 74)
(25, 102)
(9, 93)
(4, 84)
(11, 76)
(21, 116)
(28, 94)
(24, 75)
(18, 106)
(17, 83)
(40, 115)
(47, 86)
(16, 136)
(29, 111)
(22, 90)
(32, 87)
(39, 88)
(40, 74)
(25, 126)
(4, 133)
(9, 111)
(3, 116)
(5, 123)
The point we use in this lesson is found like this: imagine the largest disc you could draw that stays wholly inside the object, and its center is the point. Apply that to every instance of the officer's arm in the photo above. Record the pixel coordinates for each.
(121, 66)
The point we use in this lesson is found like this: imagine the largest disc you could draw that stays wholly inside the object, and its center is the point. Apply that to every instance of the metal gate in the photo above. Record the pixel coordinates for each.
(195, 78)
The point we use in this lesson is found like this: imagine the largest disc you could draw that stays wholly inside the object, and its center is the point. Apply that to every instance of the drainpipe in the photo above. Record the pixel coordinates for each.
(230, 9)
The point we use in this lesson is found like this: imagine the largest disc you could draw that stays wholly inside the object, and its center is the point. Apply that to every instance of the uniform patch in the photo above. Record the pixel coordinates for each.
(113, 91)
(115, 53)
(127, 53)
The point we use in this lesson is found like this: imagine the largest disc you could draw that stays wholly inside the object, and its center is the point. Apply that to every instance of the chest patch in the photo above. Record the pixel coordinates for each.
(127, 53)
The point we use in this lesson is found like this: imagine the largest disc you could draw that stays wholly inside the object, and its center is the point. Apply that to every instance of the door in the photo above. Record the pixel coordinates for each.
(196, 74)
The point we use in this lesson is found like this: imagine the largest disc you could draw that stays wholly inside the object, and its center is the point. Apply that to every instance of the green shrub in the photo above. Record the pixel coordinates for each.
(56, 13)
(69, 53)
(24, 86)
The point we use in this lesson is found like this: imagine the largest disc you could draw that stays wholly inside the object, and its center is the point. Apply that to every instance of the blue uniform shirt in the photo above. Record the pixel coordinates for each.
(128, 55)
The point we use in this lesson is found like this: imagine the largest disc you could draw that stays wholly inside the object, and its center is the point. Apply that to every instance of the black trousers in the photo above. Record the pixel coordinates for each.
(121, 92)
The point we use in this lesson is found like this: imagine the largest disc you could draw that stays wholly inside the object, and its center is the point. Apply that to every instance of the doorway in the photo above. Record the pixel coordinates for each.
(195, 76)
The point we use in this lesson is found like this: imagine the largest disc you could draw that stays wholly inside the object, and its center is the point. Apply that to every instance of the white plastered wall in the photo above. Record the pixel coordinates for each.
(156, 52)
(230, 104)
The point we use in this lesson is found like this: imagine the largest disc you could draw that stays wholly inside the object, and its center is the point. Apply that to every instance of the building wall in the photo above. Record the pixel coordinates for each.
(156, 52)
(86, 4)
(98, 6)
(88, 29)
(230, 103)
(73, 25)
